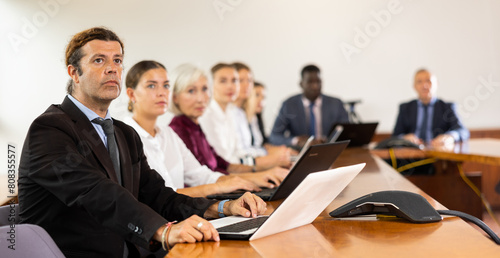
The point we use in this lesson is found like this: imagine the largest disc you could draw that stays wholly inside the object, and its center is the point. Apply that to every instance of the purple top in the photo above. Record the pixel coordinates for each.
(195, 140)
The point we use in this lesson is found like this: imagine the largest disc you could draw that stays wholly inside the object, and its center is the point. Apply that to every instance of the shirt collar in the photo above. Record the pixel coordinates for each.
(218, 109)
(307, 102)
(431, 103)
(91, 115)
(140, 131)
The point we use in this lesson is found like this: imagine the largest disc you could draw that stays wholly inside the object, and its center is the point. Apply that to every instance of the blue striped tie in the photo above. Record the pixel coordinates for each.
(423, 129)
(312, 120)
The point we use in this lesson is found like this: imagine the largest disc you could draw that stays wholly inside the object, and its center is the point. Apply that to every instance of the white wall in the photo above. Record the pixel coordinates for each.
(458, 40)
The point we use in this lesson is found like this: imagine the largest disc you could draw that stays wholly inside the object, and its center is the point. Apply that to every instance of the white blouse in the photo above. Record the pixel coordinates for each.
(258, 140)
(220, 130)
(169, 156)
(245, 134)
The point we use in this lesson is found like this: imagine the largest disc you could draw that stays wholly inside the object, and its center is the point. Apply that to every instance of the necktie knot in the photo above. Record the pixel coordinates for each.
(107, 125)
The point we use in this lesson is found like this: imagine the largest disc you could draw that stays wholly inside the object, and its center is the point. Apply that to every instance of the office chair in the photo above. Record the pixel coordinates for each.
(28, 240)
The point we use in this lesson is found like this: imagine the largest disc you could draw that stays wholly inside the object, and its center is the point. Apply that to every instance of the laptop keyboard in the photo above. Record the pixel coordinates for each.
(244, 225)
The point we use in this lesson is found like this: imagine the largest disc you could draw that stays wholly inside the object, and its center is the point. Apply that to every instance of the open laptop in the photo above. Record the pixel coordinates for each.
(317, 158)
(359, 134)
(296, 210)
(303, 150)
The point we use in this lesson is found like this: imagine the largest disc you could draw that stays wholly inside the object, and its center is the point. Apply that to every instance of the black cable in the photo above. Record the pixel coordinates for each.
(474, 220)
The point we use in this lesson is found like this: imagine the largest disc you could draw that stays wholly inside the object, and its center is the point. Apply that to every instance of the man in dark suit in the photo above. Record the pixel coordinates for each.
(306, 114)
(429, 120)
(84, 178)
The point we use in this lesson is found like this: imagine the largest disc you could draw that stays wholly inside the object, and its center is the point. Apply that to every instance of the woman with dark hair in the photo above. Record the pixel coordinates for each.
(148, 90)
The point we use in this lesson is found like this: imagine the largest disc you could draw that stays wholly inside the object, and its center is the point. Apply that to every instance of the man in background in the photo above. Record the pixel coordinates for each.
(307, 114)
(429, 120)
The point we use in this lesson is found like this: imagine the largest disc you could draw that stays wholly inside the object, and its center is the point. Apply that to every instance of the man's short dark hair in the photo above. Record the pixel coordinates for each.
(241, 66)
(258, 84)
(74, 51)
(307, 69)
(219, 66)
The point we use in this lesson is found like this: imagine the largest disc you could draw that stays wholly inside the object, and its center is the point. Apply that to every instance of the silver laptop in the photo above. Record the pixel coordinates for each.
(296, 210)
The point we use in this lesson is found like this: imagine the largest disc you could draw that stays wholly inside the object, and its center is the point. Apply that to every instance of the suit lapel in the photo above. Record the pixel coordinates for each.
(437, 118)
(87, 132)
(327, 116)
(301, 113)
(413, 116)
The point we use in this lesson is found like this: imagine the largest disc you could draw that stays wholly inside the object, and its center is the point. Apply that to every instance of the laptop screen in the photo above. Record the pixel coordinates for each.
(359, 134)
(317, 158)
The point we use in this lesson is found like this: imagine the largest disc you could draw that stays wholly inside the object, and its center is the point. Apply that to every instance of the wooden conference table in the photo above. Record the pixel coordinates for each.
(359, 237)
(480, 154)
(484, 150)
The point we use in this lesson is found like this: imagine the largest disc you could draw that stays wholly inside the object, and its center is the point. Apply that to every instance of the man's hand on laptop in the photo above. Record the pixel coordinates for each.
(196, 229)
(190, 230)
(248, 205)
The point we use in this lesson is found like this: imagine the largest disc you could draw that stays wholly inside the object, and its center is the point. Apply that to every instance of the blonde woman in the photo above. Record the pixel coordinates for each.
(190, 99)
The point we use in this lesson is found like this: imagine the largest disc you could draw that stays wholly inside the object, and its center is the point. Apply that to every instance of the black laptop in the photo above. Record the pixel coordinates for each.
(358, 134)
(317, 158)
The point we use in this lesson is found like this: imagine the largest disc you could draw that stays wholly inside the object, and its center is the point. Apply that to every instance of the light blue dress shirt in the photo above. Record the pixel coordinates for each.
(91, 115)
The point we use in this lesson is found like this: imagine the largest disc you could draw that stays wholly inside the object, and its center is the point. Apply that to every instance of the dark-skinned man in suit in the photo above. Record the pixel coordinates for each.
(307, 114)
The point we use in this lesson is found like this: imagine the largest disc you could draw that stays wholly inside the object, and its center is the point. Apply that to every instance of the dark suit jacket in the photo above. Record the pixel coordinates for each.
(291, 120)
(68, 186)
(445, 120)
